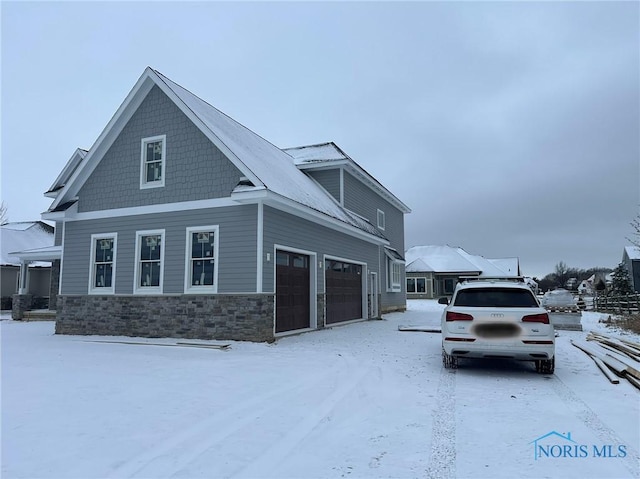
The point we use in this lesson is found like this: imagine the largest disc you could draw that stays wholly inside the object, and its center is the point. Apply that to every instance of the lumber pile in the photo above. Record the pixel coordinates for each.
(616, 357)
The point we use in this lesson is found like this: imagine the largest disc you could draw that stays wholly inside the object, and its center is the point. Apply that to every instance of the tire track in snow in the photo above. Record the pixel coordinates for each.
(180, 449)
(277, 453)
(595, 424)
(442, 461)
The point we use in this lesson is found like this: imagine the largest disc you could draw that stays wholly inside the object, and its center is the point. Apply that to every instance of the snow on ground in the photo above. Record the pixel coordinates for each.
(359, 401)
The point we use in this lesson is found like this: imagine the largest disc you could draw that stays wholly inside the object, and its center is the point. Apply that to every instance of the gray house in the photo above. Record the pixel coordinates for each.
(631, 260)
(179, 221)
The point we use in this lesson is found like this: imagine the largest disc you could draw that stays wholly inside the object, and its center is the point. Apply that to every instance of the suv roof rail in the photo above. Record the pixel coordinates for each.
(514, 279)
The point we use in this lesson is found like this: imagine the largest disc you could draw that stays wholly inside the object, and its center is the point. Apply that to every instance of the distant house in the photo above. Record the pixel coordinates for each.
(433, 271)
(631, 260)
(21, 247)
(179, 221)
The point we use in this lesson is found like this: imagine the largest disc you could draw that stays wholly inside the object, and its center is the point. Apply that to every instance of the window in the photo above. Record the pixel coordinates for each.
(381, 220)
(152, 163)
(416, 285)
(103, 266)
(496, 298)
(394, 275)
(149, 261)
(449, 286)
(201, 260)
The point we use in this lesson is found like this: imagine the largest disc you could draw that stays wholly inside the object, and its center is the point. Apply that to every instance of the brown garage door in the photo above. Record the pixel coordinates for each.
(343, 290)
(292, 291)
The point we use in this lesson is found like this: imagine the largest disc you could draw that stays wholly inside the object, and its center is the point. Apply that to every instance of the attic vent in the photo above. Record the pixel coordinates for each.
(244, 181)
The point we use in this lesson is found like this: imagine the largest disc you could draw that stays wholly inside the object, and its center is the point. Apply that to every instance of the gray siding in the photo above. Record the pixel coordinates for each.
(329, 179)
(288, 230)
(236, 256)
(57, 239)
(194, 168)
(362, 200)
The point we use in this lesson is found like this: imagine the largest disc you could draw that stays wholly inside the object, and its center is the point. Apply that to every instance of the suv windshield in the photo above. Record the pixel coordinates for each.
(496, 298)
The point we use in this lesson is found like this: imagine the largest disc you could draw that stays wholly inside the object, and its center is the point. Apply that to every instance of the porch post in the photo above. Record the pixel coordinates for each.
(24, 277)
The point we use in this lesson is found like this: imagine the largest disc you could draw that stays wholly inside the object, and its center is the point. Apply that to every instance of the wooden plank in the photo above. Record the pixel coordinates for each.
(618, 367)
(605, 370)
(633, 381)
(419, 329)
(177, 344)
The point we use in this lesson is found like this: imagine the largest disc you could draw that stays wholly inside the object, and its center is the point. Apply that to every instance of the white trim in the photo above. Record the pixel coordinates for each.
(381, 215)
(64, 229)
(102, 290)
(144, 184)
(260, 248)
(391, 286)
(188, 287)
(136, 280)
(152, 209)
(313, 287)
(115, 126)
(375, 293)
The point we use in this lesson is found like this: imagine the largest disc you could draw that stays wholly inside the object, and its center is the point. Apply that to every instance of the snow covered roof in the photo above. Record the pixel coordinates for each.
(316, 153)
(447, 259)
(66, 172)
(265, 166)
(16, 237)
(329, 154)
(633, 252)
(508, 265)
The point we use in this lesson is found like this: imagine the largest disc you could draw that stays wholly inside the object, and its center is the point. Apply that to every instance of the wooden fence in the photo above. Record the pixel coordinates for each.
(628, 304)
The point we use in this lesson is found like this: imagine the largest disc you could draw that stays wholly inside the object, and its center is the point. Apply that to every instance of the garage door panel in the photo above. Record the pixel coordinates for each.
(343, 290)
(292, 291)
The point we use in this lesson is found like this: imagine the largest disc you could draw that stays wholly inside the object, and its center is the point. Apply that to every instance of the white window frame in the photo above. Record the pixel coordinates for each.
(394, 276)
(381, 220)
(93, 289)
(188, 287)
(144, 184)
(137, 289)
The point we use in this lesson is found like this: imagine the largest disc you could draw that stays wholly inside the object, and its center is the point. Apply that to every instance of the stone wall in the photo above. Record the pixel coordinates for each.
(20, 304)
(220, 317)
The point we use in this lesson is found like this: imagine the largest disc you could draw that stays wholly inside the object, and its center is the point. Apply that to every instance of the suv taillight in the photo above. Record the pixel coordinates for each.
(451, 316)
(536, 318)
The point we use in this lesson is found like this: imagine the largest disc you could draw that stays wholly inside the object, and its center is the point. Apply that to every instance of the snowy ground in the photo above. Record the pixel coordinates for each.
(358, 401)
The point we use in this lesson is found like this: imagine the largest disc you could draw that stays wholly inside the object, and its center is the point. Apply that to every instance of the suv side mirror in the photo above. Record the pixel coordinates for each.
(443, 300)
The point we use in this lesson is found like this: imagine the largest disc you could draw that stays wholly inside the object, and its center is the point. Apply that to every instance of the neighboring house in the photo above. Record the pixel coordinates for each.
(179, 221)
(433, 271)
(21, 245)
(631, 260)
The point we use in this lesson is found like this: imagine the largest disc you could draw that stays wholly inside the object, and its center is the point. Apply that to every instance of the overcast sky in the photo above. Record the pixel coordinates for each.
(509, 129)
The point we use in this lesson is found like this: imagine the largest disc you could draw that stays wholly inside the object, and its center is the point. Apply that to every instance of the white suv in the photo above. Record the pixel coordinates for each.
(496, 318)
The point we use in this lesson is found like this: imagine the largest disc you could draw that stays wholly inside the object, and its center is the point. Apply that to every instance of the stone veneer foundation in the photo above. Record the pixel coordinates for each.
(220, 317)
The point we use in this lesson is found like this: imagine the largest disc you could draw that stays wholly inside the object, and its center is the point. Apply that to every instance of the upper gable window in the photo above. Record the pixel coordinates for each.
(381, 221)
(152, 162)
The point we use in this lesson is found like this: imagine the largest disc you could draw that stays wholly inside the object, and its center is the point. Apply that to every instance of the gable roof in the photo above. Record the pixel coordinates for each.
(633, 252)
(329, 155)
(25, 235)
(266, 167)
(66, 172)
(447, 259)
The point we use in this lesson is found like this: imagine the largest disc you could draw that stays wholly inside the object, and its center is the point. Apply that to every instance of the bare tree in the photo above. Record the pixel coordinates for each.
(4, 218)
(635, 223)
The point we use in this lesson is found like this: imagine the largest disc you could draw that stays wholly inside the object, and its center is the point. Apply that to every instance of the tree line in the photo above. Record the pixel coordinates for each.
(562, 274)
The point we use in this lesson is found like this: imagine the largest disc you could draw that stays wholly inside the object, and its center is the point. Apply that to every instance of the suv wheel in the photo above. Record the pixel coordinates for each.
(546, 366)
(449, 361)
